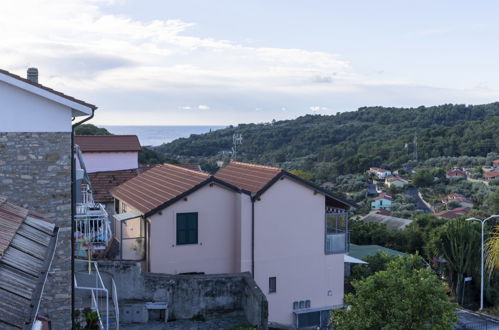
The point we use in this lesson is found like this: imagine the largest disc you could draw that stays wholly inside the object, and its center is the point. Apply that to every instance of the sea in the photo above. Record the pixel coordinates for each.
(157, 135)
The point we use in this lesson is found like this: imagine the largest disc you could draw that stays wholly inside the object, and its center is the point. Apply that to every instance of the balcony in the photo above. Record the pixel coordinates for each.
(92, 226)
(336, 238)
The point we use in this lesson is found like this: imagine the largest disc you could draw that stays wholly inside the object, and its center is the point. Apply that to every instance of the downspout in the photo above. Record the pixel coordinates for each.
(73, 207)
(252, 237)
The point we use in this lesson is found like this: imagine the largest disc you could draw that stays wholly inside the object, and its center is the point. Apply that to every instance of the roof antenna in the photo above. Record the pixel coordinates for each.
(237, 139)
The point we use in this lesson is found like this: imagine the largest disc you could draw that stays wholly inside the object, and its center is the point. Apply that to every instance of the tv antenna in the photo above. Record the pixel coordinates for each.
(237, 139)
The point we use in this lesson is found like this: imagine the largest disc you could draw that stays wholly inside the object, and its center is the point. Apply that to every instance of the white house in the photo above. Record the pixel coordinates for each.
(289, 233)
(103, 153)
(380, 173)
(382, 201)
(395, 181)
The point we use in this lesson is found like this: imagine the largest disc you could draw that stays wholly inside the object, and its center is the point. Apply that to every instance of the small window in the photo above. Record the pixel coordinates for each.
(272, 284)
(187, 228)
(116, 206)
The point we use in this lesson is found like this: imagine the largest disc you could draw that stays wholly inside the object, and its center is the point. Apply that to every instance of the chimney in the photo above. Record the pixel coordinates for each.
(33, 75)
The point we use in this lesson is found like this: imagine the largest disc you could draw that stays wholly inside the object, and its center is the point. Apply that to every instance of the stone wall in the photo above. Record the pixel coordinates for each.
(35, 172)
(189, 296)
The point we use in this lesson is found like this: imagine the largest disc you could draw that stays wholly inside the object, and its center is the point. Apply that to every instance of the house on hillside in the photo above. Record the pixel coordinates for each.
(454, 213)
(459, 199)
(35, 166)
(491, 175)
(382, 201)
(495, 163)
(380, 173)
(104, 153)
(455, 173)
(246, 218)
(395, 181)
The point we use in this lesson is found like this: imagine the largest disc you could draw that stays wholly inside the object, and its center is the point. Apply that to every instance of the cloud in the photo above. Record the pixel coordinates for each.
(203, 107)
(317, 108)
(186, 108)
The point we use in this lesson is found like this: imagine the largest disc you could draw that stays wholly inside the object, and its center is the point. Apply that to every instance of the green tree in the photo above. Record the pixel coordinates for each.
(89, 129)
(404, 296)
(375, 263)
(458, 242)
(493, 203)
(423, 178)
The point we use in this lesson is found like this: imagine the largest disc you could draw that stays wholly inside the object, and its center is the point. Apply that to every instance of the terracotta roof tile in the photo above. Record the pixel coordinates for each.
(194, 167)
(491, 174)
(48, 89)
(249, 177)
(108, 143)
(158, 186)
(103, 182)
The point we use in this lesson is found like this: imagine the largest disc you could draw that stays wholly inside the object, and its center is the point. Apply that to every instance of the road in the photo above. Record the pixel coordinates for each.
(475, 321)
(413, 193)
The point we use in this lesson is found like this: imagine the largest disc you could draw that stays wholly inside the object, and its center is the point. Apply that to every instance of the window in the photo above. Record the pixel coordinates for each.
(272, 284)
(116, 206)
(187, 228)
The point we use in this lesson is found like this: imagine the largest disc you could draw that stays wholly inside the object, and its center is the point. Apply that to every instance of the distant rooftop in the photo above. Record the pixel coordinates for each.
(362, 251)
(390, 222)
(108, 143)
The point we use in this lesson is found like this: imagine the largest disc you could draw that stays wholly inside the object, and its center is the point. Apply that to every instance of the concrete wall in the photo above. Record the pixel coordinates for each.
(216, 249)
(35, 172)
(289, 245)
(109, 161)
(25, 112)
(189, 296)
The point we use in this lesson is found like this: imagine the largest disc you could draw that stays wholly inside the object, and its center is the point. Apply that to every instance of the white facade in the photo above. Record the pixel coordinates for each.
(23, 111)
(109, 161)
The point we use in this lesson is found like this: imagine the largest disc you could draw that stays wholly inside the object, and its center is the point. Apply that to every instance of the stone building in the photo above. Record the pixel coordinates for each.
(35, 171)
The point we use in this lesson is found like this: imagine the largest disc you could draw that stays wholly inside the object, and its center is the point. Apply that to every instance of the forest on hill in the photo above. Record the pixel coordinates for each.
(350, 142)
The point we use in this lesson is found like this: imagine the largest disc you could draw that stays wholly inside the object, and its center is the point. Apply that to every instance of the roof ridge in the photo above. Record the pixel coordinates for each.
(257, 165)
(186, 169)
(106, 135)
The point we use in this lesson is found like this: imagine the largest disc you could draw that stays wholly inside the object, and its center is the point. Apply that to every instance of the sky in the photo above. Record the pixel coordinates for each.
(223, 62)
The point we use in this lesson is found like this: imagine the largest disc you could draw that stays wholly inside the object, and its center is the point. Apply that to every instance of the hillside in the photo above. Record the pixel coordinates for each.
(350, 142)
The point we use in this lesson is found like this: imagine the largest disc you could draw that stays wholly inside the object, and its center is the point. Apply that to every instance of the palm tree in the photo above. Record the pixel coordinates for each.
(492, 249)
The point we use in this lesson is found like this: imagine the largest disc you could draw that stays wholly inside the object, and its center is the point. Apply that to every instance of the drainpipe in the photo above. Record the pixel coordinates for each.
(73, 207)
(252, 237)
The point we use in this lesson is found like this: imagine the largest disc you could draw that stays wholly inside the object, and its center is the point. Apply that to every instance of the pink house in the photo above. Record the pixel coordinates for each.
(290, 234)
(102, 153)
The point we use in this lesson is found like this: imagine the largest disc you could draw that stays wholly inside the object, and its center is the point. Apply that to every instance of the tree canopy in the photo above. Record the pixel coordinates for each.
(407, 295)
(89, 129)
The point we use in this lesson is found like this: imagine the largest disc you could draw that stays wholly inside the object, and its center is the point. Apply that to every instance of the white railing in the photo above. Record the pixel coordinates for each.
(115, 303)
(99, 294)
(92, 224)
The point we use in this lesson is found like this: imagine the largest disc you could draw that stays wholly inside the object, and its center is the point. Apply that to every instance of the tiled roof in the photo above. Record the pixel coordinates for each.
(157, 186)
(26, 245)
(451, 214)
(456, 173)
(491, 174)
(53, 91)
(384, 196)
(103, 182)
(249, 177)
(108, 143)
(495, 161)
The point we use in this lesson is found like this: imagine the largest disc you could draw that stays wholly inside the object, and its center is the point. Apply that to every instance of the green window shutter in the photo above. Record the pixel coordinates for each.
(187, 228)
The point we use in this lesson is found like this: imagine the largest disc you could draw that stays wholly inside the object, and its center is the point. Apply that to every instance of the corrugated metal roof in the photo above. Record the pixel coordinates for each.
(158, 186)
(108, 143)
(249, 177)
(389, 221)
(26, 245)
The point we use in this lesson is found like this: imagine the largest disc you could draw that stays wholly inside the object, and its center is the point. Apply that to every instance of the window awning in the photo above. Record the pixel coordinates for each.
(127, 216)
(353, 260)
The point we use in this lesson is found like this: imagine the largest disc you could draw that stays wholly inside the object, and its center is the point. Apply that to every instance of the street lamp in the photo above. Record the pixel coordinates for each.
(481, 272)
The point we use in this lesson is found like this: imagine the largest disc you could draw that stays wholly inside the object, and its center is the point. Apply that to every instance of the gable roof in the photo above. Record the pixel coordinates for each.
(456, 172)
(191, 166)
(161, 186)
(108, 143)
(491, 174)
(384, 196)
(454, 213)
(81, 107)
(249, 177)
(27, 243)
(103, 182)
(256, 179)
